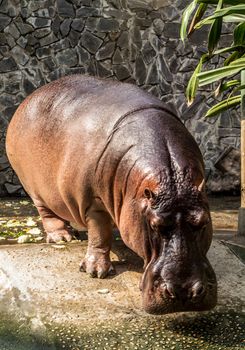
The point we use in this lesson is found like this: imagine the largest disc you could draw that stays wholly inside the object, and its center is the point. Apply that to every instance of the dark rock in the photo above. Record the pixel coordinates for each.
(13, 83)
(12, 30)
(55, 74)
(148, 53)
(74, 37)
(4, 21)
(60, 45)
(107, 25)
(91, 23)
(47, 40)
(65, 26)
(103, 71)
(123, 40)
(139, 4)
(24, 28)
(83, 55)
(19, 55)
(8, 65)
(90, 42)
(163, 69)
(49, 64)
(172, 30)
(140, 71)
(12, 189)
(4, 50)
(43, 52)
(158, 26)
(91, 69)
(152, 75)
(45, 13)
(78, 24)
(121, 72)
(143, 23)
(106, 51)
(9, 112)
(39, 22)
(3, 39)
(22, 42)
(87, 12)
(67, 57)
(55, 25)
(119, 14)
(117, 57)
(65, 9)
(10, 41)
(40, 33)
(28, 86)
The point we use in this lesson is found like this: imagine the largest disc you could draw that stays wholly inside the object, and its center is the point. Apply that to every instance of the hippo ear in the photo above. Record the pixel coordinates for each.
(201, 186)
(149, 194)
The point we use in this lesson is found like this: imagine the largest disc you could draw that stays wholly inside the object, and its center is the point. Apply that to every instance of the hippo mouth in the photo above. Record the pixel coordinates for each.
(159, 298)
(155, 302)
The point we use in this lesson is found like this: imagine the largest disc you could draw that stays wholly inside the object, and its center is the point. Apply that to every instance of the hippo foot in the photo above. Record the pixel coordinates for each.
(58, 236)
(97, 266)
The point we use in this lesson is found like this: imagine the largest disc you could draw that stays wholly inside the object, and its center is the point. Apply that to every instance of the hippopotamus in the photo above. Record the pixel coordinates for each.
(100, 153)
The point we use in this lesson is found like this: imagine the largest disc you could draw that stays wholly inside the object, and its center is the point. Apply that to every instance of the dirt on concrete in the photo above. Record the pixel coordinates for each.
(46, 303)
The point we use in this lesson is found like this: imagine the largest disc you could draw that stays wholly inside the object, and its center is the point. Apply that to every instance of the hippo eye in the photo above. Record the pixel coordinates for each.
(149, 194)
(199, 220)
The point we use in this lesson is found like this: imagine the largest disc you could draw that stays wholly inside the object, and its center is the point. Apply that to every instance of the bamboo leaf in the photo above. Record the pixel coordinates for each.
(225, 86)
(234, 18)
(237, 10)
(223, 106)
(233, 57)
(193, 82)
(214, 34)
(239, 34)
(185, 19)
(229, 49)
(211, 76)
(197, 17)
(227, 2)
(238, 62)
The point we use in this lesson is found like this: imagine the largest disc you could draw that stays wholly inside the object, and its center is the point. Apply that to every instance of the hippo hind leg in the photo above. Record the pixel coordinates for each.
(97, 260)
(55, 227)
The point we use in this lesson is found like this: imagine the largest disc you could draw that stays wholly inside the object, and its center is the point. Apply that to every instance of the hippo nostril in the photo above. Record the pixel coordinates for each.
(169, 291)
(197, 290)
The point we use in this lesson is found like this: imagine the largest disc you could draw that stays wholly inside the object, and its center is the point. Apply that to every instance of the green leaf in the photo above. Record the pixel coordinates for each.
(211, 76)
(234, 18)
(233, 57)
(194, 81)
(185, 19)
(239, 34)
(225, 86)
(238, 62)
(223, 106)
(214, 35)
(197, 17)
(229, 49)
(237, 10)
(227, 2)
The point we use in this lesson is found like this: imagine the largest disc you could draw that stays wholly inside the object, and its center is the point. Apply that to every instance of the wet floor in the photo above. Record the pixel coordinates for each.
(45, 303)
(213, 331)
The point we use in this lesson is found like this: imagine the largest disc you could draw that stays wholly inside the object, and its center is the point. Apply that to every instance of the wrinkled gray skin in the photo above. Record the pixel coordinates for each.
(96, 152)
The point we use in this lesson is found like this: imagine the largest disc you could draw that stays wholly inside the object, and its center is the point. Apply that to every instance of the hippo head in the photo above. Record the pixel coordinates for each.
(177, 235)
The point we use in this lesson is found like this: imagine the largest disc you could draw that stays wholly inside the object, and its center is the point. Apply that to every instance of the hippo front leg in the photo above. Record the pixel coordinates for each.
(97, 260)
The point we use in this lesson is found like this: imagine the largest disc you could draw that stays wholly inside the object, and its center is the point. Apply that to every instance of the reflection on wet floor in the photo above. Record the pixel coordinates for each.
(213, 331)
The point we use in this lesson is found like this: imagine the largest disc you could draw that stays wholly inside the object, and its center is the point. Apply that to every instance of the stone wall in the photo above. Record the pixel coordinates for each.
(130, 40)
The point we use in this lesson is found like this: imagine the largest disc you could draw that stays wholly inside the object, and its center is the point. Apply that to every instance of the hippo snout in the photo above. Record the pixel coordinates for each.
(194, 293)
(167, 295)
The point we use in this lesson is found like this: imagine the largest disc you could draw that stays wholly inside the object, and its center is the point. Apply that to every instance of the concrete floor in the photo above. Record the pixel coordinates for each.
(46, 303)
